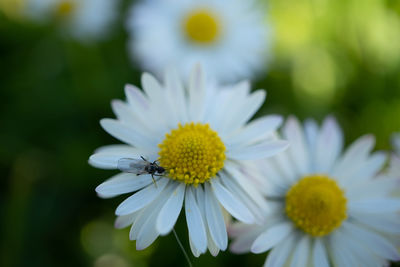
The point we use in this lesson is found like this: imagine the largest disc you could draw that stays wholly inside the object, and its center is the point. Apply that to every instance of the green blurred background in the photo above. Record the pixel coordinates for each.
(339, 57)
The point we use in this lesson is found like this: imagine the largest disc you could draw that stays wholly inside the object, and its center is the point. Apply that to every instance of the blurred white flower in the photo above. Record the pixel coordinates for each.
(229, 37)
(84, 20)
(200, 136)
(330, 208)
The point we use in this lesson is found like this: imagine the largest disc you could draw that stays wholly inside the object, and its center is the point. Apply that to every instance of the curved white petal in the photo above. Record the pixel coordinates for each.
(249, 195)
(215, 220)
(377, 206)
(141, 198)
(232, 204)
(373, 241)
(136, 99)
(293, 132)
(124, 221)
(151, 87)
(320, 256)
(311, 131)
(170, 211)
(243, 243)
(254, 131)
(108, 158)
(301, 252)
(340, 255)
(196, 94)
(258, 151)
(329, 145)
(281, 253)
(129, 135)
(386, 223)
(123, 183)
(248, 108)
(193, 248)
(200, 198)
(143, 229)
(356, 153)
(271, 237)
(195, 222)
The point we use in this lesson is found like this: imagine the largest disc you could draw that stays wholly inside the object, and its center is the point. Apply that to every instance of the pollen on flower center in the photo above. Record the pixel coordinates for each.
(201, 26)
(192, 153)
(65, 8)
(316, 205)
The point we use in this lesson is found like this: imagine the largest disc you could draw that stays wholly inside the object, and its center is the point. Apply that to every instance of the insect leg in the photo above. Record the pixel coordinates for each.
(154, 180)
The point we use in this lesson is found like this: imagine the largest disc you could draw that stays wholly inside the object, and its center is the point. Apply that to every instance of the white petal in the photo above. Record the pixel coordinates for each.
(301, 252)
(281, 253)
(320, 256)
(258, 151)
(243, 243)
(232, 204)
(151, 86)
(144, 229)
(389, 223)
(361, 254)
(357, 152)
(373, 241)
(136, 98)
(375, 205)
(193, 248)
(249, 107)
(379, 187)
(125, 150)
(128, 134)
(271, 237)
(107, 159)
(141, 198)
(311, 131)
(341, 256)
(248, 195)
(170, 211)
(123, 183)
(255, 130)
(195, 222)
(329, 145)
(215, 220)
(176, 95)
(293, 132)
(124, 221)
(148, 233)
(200, 198)
(283, 164)
(196, 94)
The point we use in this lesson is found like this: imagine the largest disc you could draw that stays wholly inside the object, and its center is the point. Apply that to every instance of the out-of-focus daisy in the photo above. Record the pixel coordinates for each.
(82, 19)
(330, 208)
(200, 135)
(229, 37)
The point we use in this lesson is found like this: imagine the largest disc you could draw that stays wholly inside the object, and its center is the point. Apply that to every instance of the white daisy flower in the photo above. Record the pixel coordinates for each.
(201, 137)
(82, 19)
(330, 208)
(229, 37)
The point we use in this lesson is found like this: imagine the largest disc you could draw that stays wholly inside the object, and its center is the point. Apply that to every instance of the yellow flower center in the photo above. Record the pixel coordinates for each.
(316, 205)
(65, 8)
(192, 153)
(201, 26)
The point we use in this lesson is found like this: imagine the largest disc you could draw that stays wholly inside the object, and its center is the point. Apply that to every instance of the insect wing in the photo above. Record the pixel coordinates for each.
(132, 165)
